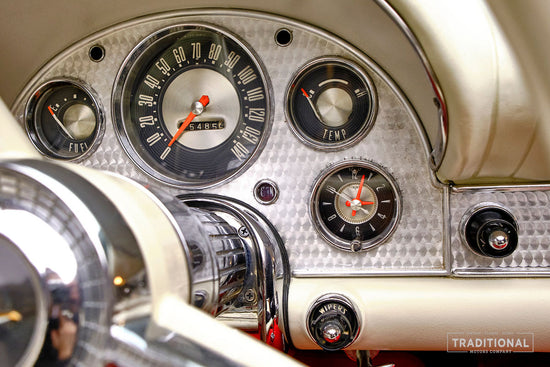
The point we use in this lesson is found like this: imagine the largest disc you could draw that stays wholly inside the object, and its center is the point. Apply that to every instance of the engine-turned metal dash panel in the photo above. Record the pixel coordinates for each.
(529, 206)
(395, 142)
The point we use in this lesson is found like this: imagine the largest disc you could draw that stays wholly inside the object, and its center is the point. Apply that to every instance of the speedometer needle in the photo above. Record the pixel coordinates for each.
(203, 101)
(60, 123)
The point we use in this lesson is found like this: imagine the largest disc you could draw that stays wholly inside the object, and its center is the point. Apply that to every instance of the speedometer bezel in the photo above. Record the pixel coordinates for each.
(122, 90)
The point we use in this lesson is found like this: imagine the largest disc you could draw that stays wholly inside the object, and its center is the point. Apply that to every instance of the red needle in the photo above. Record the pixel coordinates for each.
(204, 100)
(305, 93)
(358, 197)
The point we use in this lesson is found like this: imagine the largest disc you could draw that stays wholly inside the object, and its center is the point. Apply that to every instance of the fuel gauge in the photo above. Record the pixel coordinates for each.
(64, 120)
(331, 103)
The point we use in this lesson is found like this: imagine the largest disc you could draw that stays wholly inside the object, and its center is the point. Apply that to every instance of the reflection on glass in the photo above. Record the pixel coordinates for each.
(18, 304)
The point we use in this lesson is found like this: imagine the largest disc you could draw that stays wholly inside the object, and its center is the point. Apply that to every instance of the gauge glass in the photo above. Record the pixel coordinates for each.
(72, 286)
(192, 106)
(19, 305)
(355, 205)
(64, 120)
(331, 103)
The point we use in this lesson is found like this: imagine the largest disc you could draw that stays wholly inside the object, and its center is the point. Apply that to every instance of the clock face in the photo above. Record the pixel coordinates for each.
(355, 205)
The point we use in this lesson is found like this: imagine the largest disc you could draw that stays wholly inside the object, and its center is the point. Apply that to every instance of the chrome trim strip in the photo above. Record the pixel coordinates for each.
(440, 146)
(377, 273)
(505, 188)
(447, 226)
(500, 273)
(455, 273)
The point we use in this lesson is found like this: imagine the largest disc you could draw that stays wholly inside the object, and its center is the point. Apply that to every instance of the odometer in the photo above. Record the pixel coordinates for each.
(192, 106)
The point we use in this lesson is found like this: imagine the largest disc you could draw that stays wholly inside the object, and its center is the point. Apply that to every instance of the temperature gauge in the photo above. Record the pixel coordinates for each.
(355, 205)
(331, 103)
(63, 120)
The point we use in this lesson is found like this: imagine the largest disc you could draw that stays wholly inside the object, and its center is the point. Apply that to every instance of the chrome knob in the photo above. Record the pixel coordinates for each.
(333, 322)
(335, 106)
(490, 230)
(498, 240)
(80, 121)
(332, 332)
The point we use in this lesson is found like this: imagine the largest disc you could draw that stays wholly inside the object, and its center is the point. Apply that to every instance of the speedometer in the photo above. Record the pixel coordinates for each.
(191, 106)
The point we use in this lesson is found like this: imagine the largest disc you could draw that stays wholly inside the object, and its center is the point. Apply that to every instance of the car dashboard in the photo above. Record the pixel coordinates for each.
(278, 176)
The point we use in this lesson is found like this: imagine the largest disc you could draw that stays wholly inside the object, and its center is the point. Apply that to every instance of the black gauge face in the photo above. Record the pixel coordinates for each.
(331, 104)
(192, 106)
(355, 205)
(63, 120)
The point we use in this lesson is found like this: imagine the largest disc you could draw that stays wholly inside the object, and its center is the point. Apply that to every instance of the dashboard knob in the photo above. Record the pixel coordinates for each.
(333, 322)
(490, 231)
(498, 239)
(332, 332)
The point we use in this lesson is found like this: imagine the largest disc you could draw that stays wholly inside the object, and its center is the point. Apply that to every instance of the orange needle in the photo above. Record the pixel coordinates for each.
(204, 100)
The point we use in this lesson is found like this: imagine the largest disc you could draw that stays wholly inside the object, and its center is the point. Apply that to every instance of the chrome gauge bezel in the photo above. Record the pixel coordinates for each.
(31, 110)
(367, 124)
(123, 88)
(327, 234)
